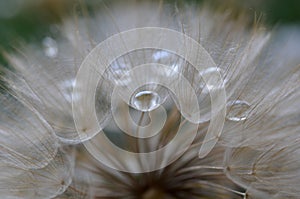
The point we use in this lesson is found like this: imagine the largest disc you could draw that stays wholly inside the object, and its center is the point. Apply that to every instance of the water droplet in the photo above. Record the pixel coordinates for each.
(146, 100)
(211, 79)
(237, 110)
(50, 47)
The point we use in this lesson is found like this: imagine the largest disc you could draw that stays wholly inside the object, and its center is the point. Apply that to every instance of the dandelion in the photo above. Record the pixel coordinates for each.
(142, 99)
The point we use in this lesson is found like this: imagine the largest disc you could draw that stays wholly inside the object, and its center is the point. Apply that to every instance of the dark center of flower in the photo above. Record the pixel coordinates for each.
(155, 193)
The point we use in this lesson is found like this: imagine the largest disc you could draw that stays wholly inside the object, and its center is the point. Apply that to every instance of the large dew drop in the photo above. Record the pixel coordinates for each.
(237, 110)
(146, 101)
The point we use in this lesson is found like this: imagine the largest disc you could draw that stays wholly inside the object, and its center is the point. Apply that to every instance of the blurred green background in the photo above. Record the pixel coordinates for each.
(30, 19)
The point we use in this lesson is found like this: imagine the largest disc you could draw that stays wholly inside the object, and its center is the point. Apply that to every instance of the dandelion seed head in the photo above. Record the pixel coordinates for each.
(142, 99)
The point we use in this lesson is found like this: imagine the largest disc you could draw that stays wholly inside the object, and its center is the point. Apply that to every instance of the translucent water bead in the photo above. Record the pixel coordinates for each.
(146, 101)
(237, 110)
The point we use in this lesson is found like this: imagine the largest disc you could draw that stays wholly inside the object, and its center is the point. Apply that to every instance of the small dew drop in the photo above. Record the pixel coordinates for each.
(212, 80)
(146, 101)
(50, 47)
(237, 110)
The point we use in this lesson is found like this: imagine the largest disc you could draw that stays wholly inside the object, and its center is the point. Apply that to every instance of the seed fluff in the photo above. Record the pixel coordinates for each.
(46, 153)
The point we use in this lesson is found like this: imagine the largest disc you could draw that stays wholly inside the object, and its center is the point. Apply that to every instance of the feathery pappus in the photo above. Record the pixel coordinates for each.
(151, 99)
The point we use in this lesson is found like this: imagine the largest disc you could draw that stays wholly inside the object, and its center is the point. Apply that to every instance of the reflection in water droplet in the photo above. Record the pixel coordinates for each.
(211, 79)
(237, 110)
(50, 47)
(146, 100)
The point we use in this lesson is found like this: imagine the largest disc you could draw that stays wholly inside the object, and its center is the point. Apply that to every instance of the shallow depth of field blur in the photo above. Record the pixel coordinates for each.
(36, 21)
(31, 20)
